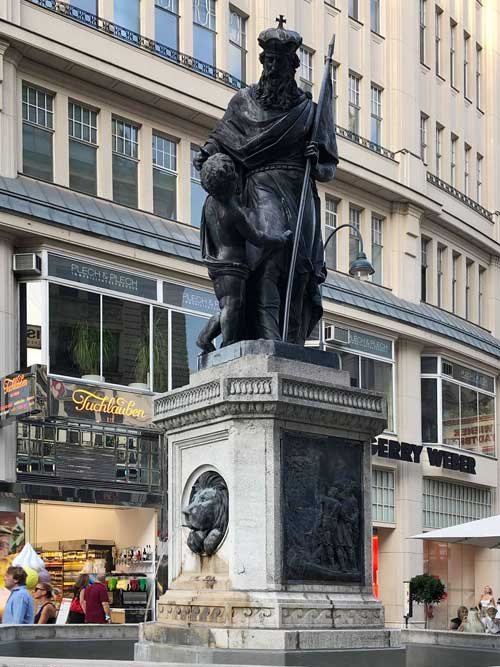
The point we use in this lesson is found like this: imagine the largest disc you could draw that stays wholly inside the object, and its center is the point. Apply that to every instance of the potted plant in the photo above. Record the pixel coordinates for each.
(85, 348)
(427, 589)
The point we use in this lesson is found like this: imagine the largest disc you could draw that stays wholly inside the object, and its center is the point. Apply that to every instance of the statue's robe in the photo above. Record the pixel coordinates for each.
(268, 148)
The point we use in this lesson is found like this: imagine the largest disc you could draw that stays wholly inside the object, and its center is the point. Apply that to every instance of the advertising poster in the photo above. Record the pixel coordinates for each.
(11, 543)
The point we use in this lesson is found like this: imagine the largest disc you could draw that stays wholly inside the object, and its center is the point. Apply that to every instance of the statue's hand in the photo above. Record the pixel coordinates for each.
(312, 152)
(287, 236)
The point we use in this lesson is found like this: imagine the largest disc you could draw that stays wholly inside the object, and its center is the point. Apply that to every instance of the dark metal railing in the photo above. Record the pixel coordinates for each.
(139, 41)
(446, 187)
(366, 143)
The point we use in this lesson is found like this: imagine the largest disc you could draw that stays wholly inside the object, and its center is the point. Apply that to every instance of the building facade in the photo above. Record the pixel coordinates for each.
(102, 104)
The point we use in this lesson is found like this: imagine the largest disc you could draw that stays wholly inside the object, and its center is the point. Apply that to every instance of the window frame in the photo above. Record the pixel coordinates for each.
(377, 239)
(306, 69)
(423, 31)
(331, 215)
(438, 39)
(439, 149)
(42, 127)
(233, 11)
(375, 17)
(354, 101)
(157, 134)
(453, 159)
(376, 113)
(453, 52)
(424, 139)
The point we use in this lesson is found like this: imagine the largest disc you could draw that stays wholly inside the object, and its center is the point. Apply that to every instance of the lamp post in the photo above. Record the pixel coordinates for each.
(360, 266)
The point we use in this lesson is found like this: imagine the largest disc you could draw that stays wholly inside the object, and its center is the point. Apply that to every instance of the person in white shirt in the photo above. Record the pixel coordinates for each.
(491, 621)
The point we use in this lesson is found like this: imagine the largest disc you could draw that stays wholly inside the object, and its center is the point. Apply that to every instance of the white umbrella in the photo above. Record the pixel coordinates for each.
(481, 533)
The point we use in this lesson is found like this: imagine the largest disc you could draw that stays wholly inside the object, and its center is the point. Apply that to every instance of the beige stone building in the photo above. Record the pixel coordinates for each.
(102, 103)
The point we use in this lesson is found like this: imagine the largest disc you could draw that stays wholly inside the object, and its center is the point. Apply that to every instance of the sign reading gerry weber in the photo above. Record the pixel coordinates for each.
(439, 458)
(99, 404)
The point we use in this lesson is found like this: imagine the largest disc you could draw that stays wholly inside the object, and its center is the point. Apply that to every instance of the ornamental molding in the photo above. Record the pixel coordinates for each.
(332, 396)
(187, 398)
(250, 386)
(307, 617)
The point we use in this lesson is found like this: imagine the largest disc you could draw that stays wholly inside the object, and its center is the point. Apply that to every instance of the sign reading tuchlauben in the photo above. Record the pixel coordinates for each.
(100, 276)
(190, 298)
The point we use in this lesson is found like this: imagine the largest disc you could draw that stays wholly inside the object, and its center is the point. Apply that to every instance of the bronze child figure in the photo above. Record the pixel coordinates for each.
(226, 226)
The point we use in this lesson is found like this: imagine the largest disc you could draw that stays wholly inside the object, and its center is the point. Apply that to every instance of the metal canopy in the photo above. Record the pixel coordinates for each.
(481, 533)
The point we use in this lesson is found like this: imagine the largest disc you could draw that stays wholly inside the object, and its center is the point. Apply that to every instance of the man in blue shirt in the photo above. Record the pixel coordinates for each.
(19, 609)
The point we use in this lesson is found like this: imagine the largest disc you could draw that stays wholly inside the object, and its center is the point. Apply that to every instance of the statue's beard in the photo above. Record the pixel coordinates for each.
(277, 90)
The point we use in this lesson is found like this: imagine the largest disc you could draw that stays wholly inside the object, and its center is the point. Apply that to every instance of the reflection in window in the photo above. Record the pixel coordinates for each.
(429, 410)
(125, 162)
(33, 335)
(164, 176)
(198, 194)
(237, 45)
(38, 127)
(167, 22)
(160, 349)
(82, 129)
(451, 414)
(185, 331)
(204, 32)
(127, 14)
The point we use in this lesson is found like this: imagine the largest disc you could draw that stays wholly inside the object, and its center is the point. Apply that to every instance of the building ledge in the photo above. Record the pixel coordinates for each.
(446, 187)
(365, 143)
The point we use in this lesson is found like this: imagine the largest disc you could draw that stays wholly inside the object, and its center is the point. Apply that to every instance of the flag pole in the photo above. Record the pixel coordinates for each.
(303, 195)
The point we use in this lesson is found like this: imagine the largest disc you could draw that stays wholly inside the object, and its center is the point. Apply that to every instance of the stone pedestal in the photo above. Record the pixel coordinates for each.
(286, 441)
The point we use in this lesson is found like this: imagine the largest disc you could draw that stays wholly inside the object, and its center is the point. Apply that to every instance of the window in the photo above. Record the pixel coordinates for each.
(437, 39)
(423, 137)
(355, 220)
(440, 271)
(82, 130)
(125, 162)
(198, 194)
(480, 302)
(354, 102)
(439, 148)
(466, 169)
(375, 15)
(454, 282)
(164, 176)
(38, 126)
(383, 502)
(479, 57)
(453, 48)
(424, 244)
(447, 504)
(479, 178)
(469, 266)
(306, 69)
(185, 331)
(453, 160)
(423, 30)
(335, 94)
(89, 6)
(331, 205)
(167, 23)
(353, 9)
(128, 15)
(458, 406)
(377, 248)
(376, 115)
(237, 45)
(204, 33)
(466, 64)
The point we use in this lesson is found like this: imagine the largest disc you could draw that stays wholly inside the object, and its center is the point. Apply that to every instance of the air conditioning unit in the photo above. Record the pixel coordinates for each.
(447, 368)
(337, 335)
(27, 264)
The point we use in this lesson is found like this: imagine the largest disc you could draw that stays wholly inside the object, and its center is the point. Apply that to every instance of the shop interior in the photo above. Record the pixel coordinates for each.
(74, 538)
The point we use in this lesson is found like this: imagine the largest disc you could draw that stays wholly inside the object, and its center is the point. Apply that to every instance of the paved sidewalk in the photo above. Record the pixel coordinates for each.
(48, 662)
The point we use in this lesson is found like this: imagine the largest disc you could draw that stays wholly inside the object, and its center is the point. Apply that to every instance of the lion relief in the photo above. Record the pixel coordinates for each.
(207, 513)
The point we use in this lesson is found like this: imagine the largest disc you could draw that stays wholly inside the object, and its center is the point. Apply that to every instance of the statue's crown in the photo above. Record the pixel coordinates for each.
(279, 40)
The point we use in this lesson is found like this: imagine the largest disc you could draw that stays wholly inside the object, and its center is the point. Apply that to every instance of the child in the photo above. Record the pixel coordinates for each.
(226, 227)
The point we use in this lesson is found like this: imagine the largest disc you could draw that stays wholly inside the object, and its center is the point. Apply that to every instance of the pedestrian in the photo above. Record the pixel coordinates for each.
(471, 622)
(486, 600)
(19, 609)
(455, 623)
(96, 602)
(46, 613)
(491, 621)
(76, 610)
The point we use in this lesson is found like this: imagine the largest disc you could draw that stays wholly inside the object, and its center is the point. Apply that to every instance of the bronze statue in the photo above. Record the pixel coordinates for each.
(275, 133)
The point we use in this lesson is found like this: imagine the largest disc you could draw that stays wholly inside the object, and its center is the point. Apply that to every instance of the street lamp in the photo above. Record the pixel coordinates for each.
(360, 267)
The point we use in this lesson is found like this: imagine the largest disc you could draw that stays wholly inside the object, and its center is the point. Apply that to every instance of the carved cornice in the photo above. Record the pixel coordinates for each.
(186, 398)
(333, 396)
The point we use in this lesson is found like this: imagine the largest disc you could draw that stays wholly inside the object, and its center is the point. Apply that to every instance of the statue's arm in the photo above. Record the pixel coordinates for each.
(245, 222)
(324, 171)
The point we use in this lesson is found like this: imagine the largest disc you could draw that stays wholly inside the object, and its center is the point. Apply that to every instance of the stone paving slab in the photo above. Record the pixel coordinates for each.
(49, 662)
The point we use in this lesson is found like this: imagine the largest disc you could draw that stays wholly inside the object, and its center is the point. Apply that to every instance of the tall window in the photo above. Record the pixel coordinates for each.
(440, 274)
(354, 102)
(423, 137)
(375, 15)
(466, 64)
(82, 130)
(479, 58)
(331, 206)
(479, 178)
(376, 115)
(446, 503)
(383, 496)
(466, 169)
(469, 267)
(38, 126)
(204, 31)
(453, 160)
(128, 14)
(353, 9)
(377, 248)
(424, 244)
(423, 30)
(454, 282)
(439, 148)
(355, 220)
(480, 300)
(237, 45)
(437, 39)
(198, 194)
(335, 94)
(125, 162)
(89, 6)
(167, 23)
(453, 51)
(306, 69)
(164, 176)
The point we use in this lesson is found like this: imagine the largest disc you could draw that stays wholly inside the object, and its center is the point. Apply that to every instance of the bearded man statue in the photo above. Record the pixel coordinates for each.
(266, 130)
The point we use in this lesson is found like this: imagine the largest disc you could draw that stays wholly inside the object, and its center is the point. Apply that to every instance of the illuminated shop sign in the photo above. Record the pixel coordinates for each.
(103, 405)
(439, 458)
(99, 276)
(23, 394)
(190, 298)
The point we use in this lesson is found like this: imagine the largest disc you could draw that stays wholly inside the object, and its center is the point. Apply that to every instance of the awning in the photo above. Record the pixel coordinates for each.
(481, 533)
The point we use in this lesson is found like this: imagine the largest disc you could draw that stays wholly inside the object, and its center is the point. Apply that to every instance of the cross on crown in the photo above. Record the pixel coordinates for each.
(281, 21)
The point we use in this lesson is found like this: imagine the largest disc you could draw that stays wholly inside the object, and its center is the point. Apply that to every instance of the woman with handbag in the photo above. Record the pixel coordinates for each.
(77, 609)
